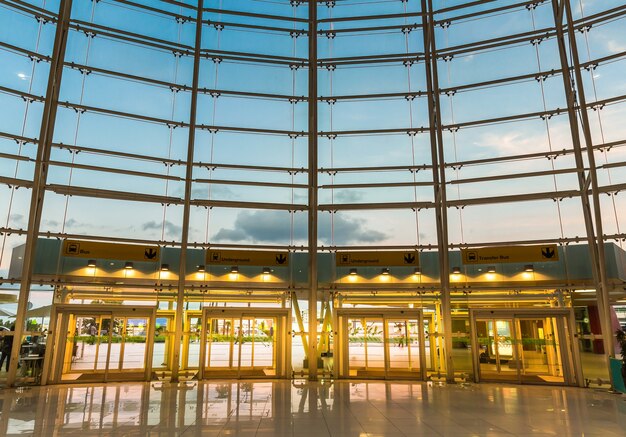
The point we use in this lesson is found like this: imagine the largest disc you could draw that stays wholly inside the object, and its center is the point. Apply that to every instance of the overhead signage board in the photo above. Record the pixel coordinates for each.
(510, 254)
(364, 259)
(100, 250)
(247, 258)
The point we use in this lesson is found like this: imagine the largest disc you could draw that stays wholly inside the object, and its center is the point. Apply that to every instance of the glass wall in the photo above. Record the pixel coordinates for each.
(184, 128)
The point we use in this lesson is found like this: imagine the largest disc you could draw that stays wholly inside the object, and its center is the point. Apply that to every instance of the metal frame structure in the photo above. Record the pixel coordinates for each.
(315, 21)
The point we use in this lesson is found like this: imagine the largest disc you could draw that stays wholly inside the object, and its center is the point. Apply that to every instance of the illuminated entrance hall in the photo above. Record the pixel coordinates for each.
(352, 189)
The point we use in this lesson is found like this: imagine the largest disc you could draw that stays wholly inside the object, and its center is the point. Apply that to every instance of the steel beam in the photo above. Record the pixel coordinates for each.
(596, 253)
(439, 180)
(603, 292)
(313, 198)
(39, 178)
(182, 269)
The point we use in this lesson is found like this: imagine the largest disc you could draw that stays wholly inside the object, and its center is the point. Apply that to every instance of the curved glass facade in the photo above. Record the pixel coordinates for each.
(262, 154)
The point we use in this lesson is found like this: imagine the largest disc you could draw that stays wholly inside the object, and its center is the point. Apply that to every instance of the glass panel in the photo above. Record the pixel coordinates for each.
(496, 345)
(540, 351)
(220, 343)
(238, 337)
(429, 328)
(594, 365)
(366, 351)
(83, 340)
(103, 344)
(461, 351)
(163, 340)
(263, 335)
(246, 339)
(191, 338)
(135, 343)
(375, 351)
(403, 346)
(356, 345)
(243, 346)
(504, 342)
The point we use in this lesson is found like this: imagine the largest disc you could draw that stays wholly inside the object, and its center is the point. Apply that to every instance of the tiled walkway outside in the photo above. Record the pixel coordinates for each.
(303, 409)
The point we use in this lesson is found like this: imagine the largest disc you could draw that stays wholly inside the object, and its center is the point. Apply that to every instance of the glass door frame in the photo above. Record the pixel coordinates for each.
(282, 334)
(186, 343)
(342, 363)
(513, 374)
(57, 340)
(570, 357)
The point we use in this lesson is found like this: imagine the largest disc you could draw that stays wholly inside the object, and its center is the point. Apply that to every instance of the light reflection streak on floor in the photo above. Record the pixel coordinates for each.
(300, 408)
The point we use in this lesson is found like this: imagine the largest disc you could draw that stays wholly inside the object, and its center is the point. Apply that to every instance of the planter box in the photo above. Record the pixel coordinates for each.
(616, 371)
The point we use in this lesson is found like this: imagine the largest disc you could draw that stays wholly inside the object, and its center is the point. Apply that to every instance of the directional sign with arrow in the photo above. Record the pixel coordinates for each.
(409, 258)
(510, 254)
(382, 258)
(548, 252)
(247, 258)
(101, 250)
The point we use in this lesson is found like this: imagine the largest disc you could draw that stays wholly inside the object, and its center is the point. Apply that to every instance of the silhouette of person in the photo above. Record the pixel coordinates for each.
(5, 351)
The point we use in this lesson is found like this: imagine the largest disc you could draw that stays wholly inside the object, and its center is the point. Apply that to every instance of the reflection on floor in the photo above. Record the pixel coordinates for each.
(300, 408)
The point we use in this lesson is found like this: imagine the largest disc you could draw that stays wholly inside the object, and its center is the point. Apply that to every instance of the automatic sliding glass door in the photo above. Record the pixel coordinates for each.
(498, 352)
(244, 344)
(380, 344)
(524, 346)
(100, 345)
(540, 352)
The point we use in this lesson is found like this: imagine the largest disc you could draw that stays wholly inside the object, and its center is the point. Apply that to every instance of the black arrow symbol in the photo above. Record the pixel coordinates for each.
(409, 258)
(548, 252)
(280, 259)
(150, 254)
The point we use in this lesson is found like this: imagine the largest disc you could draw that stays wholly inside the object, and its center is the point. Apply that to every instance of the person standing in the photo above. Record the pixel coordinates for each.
(5, 351)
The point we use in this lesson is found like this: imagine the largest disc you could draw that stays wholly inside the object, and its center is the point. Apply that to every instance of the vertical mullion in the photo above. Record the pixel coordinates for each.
(436, 140)
(40, 177)
(312, 231)
(605, 318)
(596, 246)
(180, 298)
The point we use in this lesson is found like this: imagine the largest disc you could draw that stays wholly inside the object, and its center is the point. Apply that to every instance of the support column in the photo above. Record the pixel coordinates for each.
(560, 9)
(439, 180)
(605, 315)
(182, 269)
(40, 177)
(312, 219)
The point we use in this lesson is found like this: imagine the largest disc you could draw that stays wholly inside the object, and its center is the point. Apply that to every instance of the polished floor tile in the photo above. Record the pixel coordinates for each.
(302, 409)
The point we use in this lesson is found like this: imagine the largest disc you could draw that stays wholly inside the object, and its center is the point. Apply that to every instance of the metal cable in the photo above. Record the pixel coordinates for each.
(171, 133)
(21, 143)
(412, 137)
(547, 123)
(603, 150)
(457, 170)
